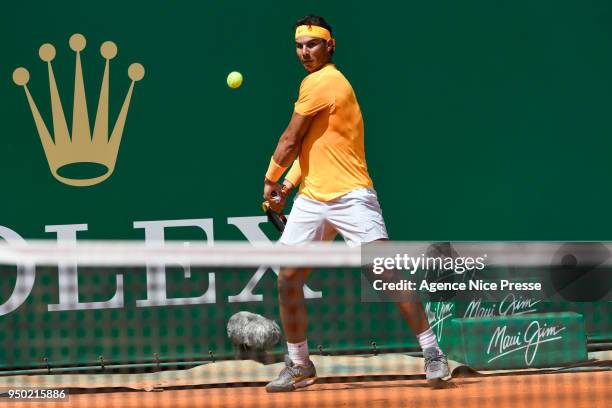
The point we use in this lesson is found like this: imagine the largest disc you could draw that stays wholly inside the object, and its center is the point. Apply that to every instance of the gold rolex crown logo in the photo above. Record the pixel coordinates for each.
(80, 149)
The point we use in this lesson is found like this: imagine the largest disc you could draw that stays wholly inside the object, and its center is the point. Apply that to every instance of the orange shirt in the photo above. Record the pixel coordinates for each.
(332, 158)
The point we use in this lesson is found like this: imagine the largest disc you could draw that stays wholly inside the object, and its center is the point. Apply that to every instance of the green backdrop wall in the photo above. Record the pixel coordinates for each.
(483, 121)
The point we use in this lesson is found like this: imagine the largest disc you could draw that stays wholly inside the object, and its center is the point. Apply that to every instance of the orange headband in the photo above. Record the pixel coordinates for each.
(312, 31)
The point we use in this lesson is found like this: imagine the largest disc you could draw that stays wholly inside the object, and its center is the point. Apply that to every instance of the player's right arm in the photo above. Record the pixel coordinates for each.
(285, 153)
(290, 141)
(314, 96)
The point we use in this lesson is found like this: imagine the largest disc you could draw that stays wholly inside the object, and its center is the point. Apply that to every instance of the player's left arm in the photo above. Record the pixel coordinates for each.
(293, 176)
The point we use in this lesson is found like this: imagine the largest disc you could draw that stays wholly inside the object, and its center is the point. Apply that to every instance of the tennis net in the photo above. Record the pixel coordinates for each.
(106, 306)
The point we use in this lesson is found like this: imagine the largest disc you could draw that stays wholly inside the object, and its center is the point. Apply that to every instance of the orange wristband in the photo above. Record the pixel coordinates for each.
(294, 174)
(275, 170)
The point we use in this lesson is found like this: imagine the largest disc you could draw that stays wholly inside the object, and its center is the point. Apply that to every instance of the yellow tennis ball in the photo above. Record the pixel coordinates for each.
(234, 79)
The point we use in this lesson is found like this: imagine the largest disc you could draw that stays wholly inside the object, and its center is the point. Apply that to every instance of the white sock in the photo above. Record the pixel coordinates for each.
(428, 339)
(298, 352)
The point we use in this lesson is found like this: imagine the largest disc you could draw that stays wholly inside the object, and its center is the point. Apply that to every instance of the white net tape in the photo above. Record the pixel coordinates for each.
(244, 254)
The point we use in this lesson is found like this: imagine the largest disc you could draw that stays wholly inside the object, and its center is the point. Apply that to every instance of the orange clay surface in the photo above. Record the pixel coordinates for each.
(575, 390)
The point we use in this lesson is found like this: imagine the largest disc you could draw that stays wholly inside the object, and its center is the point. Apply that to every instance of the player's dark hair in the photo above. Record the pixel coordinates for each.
(315, 21)
(318, 21)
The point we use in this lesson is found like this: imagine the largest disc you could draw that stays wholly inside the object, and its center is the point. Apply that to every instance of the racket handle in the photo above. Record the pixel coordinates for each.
(277, 219)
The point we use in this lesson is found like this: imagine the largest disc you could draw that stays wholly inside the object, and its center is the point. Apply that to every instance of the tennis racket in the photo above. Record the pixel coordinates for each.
(277, 219)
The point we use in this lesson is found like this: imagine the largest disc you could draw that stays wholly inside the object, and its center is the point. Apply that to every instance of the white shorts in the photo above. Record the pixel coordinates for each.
(356, 216)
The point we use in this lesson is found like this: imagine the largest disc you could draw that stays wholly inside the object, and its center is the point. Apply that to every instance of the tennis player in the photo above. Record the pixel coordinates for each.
(336, 195)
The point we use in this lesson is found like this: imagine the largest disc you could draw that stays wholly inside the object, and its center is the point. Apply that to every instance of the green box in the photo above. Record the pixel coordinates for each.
(523, 341)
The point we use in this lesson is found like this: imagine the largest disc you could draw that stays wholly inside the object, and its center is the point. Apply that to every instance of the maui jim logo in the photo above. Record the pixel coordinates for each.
(503, 343)
(511, 305)
(437, 313)
(156, 294)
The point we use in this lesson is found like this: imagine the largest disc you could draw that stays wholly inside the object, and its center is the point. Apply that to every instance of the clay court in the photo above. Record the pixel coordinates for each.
(578, 389)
